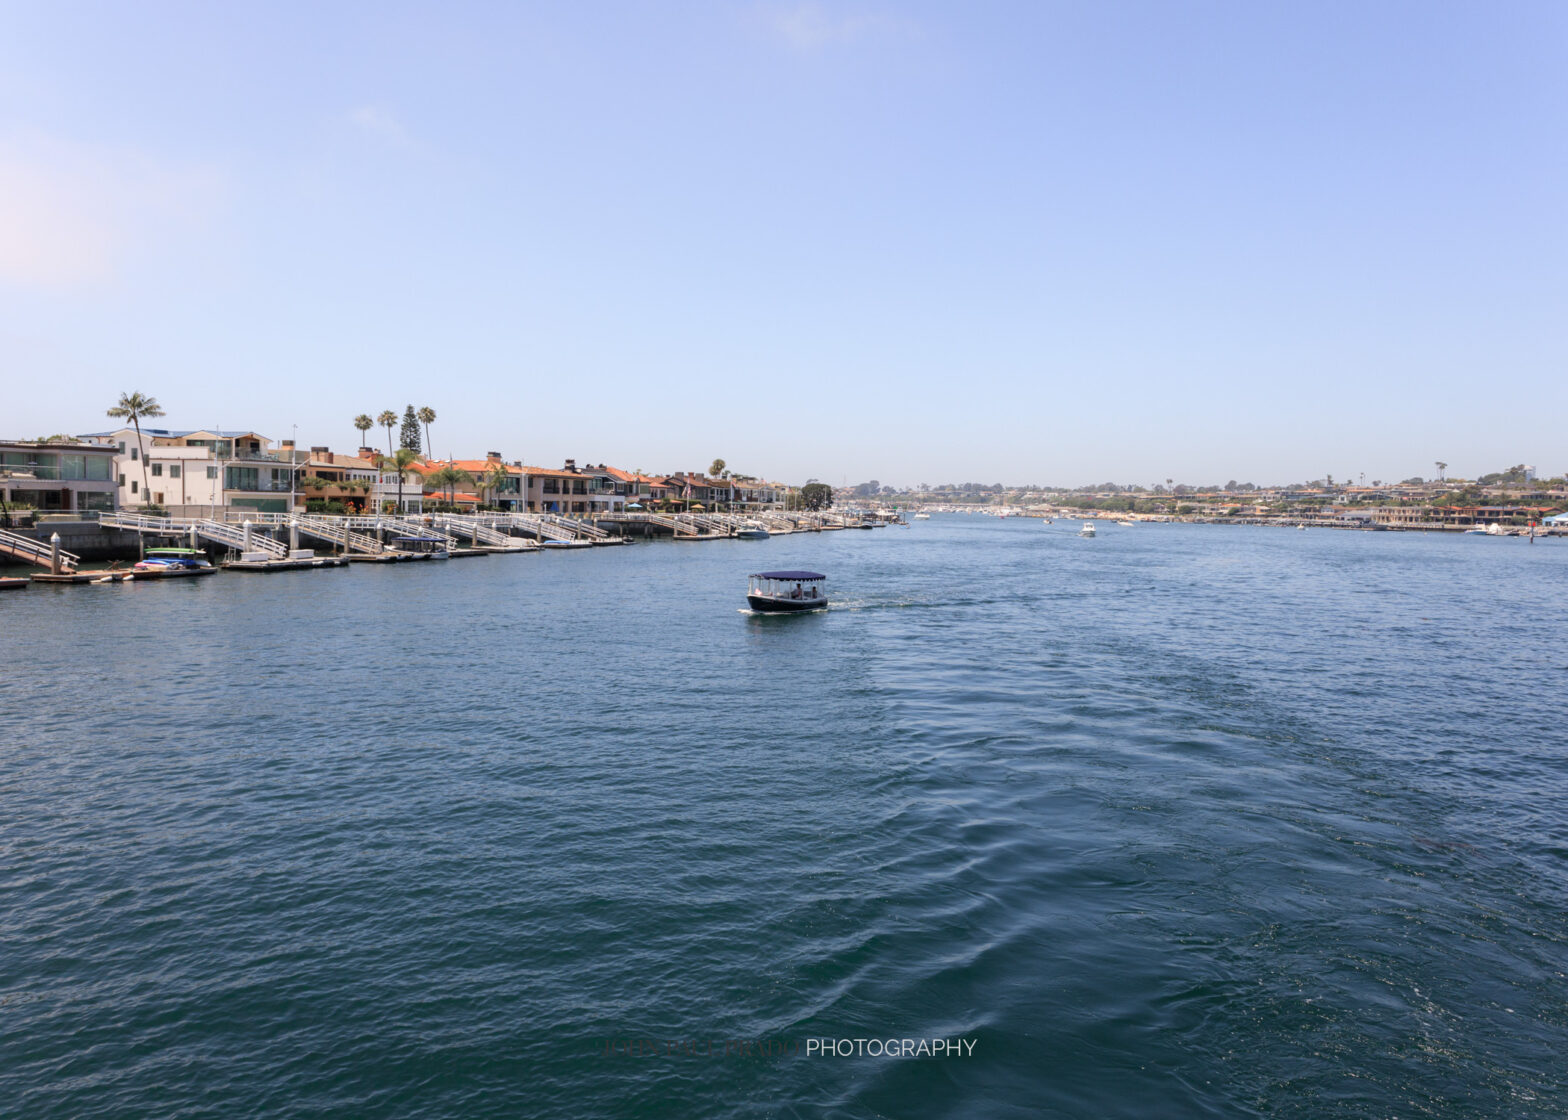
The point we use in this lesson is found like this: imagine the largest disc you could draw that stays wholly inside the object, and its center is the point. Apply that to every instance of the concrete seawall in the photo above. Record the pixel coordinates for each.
(87, 539)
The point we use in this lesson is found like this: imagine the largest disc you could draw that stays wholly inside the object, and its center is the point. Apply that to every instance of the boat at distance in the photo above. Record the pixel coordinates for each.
(922, 516)
(1087, 530)
(787, 592)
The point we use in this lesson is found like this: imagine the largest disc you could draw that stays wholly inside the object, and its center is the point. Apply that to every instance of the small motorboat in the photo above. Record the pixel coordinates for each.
(922, 516)
(786, 592)
(751, 531)
(1087, 530)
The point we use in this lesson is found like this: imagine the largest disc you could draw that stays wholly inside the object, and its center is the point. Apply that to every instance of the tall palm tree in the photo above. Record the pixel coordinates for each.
(364, 424)
(427, 417)
(132, 407)
(388, 420)
(399, 461)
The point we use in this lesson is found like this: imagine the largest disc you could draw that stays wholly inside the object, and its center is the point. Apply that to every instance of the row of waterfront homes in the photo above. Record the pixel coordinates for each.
(202, 472)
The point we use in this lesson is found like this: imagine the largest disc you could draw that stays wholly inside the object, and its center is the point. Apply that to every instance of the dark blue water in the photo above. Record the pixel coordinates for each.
(1182, 821)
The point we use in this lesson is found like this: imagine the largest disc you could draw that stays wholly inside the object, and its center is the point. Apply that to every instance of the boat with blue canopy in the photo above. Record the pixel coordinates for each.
(789, 592)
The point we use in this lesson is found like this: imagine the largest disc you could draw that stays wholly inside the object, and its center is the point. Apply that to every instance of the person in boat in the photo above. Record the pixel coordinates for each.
(797, 592)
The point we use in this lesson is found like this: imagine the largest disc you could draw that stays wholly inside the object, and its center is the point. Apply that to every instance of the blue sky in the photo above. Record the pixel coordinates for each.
(922, 242)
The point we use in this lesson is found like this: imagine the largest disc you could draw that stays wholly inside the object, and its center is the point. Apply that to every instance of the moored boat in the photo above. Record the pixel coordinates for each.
(167, 559)
(751, 531)
(789, 592)
(420, 548)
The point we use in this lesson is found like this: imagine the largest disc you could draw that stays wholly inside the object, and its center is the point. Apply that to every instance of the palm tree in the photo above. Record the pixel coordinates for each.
(399, 461)
(427, 417)
(496, 476)
(132, 407)
(388, 420)
(364, 424)
(1441, 467)
(716, 466)
(448, 477)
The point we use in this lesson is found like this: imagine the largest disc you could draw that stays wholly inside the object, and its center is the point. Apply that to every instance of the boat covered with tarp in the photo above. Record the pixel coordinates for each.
(172, 559)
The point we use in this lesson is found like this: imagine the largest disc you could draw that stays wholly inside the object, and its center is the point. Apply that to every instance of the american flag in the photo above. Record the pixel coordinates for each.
(687, 492)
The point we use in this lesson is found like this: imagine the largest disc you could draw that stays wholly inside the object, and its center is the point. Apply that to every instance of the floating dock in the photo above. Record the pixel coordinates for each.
(121, 575)
(286, 564)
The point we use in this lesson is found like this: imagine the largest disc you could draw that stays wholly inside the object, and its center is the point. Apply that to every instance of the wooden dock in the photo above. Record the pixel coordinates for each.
(120, 575)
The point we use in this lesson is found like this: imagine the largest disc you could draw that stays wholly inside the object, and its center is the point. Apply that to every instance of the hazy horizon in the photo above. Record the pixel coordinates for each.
(1021, 243)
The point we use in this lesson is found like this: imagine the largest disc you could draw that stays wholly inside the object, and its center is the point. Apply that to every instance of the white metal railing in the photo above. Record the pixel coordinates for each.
(414, 529)
(224, 533)
(479, 532)
(35, 552)
(578, 528)
(538, 526)
(338, 532)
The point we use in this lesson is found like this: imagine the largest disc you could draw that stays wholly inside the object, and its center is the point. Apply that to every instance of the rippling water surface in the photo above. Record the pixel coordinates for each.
(1182, 821)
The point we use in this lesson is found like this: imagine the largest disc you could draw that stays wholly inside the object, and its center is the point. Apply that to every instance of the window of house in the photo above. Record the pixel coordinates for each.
(552, 486)
(157, 470)
(133, 486)
(212, 472)
(135, 452)
(120, 447)
(157, 497)
(174, 470)
(122, 480)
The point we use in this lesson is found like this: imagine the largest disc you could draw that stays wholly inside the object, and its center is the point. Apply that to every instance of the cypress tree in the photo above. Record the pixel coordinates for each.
(409, 435)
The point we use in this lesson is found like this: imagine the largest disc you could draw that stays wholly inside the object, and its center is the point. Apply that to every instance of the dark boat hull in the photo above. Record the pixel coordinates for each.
(767, 604)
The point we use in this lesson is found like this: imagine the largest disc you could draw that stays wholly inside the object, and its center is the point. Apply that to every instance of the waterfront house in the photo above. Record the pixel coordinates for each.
(199, 471)
(508, 495)
(608, 492)
(388, 493)
(338, 482)
(572, 490)
(64, 476)
(696, 488)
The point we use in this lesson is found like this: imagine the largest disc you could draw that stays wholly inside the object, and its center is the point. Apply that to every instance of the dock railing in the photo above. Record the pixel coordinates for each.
(30, 551)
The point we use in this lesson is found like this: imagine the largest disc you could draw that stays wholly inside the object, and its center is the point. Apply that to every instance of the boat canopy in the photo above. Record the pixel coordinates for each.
(788, 575)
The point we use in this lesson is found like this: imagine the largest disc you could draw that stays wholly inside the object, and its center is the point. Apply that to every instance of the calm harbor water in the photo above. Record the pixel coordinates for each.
(1182, 821)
